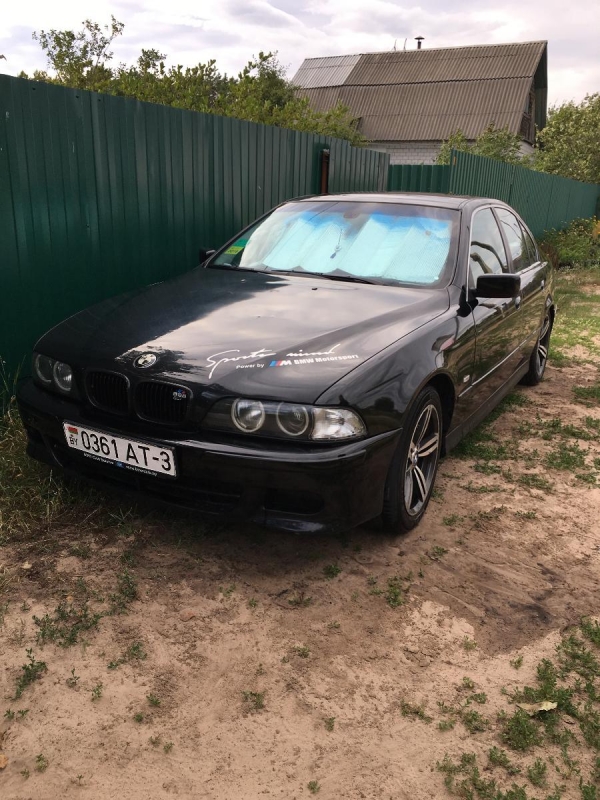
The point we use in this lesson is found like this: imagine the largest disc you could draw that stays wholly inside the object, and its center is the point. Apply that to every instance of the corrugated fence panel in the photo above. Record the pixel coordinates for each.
(101, 194)
(419, 178)
(544, 201)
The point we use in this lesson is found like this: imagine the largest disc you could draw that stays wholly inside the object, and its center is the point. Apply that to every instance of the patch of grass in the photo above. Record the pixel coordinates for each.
(72, 680)
(437, 552)
(97, 692)
(587, 394)
(566, 457)
(395, 594)
(227, 591)
(526, 514)
(301, 600)
(499, 758)
(41, 763)
(80, 550)
(446, 724)
(532, 480)
(25, 773)
(415, 712)
(253, 602)
(517, 663)
(138, 717)
(302, 651)
(467, 683)
(329, 723)
(478, 697)
(520, 732)
(537, 772)
(153, 700)
(591, 630)
(30, 673)
(135, 652)
(480, 488)
(469, 644)
(167, 747)
(125, 594)
(313, 787)
(451, 521)
(331, 571)
(65, 624)
(254, 701)
(473, 721)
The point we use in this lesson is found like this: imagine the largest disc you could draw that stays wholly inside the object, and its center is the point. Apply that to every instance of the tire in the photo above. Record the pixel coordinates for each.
(412, 473)
(539, 355)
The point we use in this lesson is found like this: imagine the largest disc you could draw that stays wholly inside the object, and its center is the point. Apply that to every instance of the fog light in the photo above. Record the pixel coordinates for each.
(248, 415)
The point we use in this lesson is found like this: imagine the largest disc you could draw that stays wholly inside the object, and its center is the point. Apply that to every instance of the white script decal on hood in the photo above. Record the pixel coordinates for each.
(262, 353)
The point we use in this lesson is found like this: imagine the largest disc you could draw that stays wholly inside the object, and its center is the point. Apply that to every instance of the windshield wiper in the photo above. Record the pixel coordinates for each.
(234, 266)
(337, 275)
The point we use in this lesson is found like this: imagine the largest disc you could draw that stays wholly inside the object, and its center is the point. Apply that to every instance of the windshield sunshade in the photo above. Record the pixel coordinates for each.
(380, 241)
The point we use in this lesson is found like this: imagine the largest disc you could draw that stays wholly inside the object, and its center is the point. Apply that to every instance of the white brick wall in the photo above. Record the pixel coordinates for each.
(408, 152)
(420, 152)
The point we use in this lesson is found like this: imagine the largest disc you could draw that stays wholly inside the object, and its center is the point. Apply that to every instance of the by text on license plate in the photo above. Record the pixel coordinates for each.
(128, 454)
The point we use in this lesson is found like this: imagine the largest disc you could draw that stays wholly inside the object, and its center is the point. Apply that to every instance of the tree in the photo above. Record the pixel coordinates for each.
(569, 145)
(498, 143)
(260, 93)
(80, 59)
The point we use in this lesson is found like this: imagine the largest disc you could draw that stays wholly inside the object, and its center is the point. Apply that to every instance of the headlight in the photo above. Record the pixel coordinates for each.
(336, 423)
(63, 376)
(42, 366)
(293, 420)
(54, 374)
(268, 418)
(248, 415)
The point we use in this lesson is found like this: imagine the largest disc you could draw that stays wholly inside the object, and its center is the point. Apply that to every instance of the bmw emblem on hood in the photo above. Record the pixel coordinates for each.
(145, 360)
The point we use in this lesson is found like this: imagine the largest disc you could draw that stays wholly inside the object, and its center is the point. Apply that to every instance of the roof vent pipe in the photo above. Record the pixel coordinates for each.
(419, 39)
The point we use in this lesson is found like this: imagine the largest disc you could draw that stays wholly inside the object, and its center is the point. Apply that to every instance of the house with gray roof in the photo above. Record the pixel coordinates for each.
(407, 102)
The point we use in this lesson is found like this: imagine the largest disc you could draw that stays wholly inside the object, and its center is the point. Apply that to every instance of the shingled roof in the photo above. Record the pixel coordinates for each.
(428, 94)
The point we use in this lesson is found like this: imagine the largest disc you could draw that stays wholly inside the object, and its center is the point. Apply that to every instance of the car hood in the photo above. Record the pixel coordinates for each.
(286, 337)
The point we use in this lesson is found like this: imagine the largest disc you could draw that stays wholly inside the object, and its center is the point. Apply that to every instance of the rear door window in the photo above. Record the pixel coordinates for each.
(487, 254)
(515, 237)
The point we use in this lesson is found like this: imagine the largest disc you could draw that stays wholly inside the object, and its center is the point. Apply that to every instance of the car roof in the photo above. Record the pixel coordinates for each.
(411, 198)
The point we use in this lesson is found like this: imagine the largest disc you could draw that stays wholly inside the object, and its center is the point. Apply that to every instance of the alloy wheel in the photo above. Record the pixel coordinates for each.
(422, 460)
(543, 344)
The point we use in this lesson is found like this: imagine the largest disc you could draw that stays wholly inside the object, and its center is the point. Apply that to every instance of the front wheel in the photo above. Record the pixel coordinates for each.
(539, 356)
(412, 473)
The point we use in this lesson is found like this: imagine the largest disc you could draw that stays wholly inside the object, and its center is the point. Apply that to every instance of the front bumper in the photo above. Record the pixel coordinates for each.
(315, 489)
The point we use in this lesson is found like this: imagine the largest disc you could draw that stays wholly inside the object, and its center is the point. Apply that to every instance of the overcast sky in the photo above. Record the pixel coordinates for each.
(231, 31)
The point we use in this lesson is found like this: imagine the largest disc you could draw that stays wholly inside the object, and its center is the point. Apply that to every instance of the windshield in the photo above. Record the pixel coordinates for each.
(383, 242)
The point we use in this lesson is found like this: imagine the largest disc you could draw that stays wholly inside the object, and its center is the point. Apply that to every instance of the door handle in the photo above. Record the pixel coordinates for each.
(517, 301)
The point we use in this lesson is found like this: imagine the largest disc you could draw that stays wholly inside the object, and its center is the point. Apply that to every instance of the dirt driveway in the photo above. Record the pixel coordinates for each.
(199, 660)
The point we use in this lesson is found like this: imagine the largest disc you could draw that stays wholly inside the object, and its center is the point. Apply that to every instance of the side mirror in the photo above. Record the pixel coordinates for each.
(204, 254)
(498, 285)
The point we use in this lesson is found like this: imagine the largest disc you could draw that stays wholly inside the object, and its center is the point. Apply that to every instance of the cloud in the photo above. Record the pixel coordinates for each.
(232, 31)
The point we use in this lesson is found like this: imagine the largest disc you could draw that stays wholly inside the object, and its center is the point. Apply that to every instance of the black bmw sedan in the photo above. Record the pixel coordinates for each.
(309, 374)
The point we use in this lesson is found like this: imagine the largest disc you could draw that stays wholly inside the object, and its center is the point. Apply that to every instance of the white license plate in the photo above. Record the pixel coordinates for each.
(128, 454)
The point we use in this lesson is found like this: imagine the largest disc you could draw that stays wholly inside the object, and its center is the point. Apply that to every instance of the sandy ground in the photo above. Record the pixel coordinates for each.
(214, 619)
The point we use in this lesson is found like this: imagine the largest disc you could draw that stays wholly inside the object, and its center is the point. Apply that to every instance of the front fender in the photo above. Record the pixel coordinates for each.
(382, 388)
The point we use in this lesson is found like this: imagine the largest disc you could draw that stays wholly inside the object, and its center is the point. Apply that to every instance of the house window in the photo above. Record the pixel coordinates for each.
(527, 130)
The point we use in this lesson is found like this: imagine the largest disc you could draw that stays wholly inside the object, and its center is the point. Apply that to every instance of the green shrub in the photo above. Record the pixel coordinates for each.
(576, 245)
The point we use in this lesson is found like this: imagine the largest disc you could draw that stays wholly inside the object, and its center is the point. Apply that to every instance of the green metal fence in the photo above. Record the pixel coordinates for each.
(544, 201)
(101, 194)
